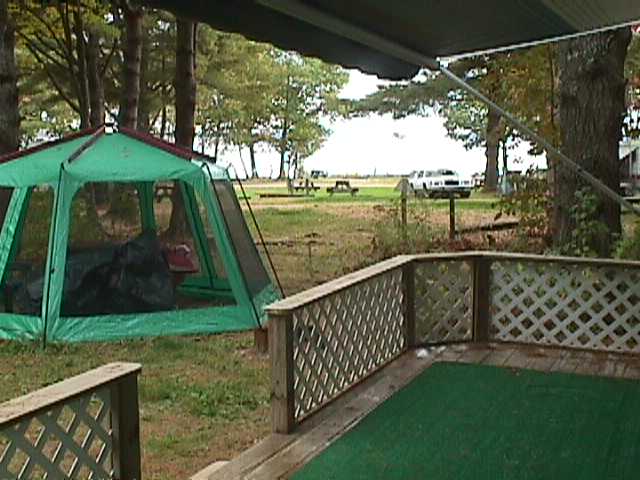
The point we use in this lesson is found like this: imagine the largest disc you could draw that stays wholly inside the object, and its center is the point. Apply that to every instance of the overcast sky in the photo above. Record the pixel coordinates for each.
(382, 145)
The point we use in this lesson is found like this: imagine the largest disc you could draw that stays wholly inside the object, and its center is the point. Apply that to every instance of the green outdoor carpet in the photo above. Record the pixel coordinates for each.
(464, 422)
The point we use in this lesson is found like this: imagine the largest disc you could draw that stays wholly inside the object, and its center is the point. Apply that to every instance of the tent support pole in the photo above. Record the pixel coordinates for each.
(95, 136)
(50, 250)
(532, 135)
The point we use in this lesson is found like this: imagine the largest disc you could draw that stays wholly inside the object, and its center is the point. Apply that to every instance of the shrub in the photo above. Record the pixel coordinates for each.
(530, 201)
(392, 238)
(588, 229)
(629, 247)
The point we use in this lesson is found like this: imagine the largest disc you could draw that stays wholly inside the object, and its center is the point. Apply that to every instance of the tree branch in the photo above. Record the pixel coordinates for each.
(54, 82)
(54, 35)
(31, 44)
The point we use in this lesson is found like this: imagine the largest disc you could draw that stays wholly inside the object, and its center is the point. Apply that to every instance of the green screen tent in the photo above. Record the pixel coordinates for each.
(236, 297)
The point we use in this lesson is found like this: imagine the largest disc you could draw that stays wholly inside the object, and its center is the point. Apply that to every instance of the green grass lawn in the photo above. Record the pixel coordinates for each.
(203, 398)
(206, 398)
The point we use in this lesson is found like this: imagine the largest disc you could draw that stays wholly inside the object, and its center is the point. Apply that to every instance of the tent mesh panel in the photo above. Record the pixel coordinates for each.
(251, 264)
(23, 280)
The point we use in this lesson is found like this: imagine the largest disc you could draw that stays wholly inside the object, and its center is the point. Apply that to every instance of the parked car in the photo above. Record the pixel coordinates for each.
(440, 183)
(477, 180)
(318, 174)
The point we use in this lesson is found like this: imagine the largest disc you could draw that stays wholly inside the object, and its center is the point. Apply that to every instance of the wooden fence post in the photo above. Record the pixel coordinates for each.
(281, 354)
(404, 188)
(409, 286)
(452, 216)
(261, 340)
(125, 424)
(481, 298)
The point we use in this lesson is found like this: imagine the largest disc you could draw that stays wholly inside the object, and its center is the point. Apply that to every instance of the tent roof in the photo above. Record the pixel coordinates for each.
(358, 33)
(125, 156)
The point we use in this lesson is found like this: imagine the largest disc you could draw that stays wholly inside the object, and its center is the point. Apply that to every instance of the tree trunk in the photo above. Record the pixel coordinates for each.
(82, 73)
(98, 191)
(128, 114)
(216, 148)
(144, 103)
(164, 98)
(283, 151)
(185, 91)
(493, 133)
(252, 155)
(96, 86)
(283, 160)
(9, 113)
(591, 107)
(295, 165)
(185, 84)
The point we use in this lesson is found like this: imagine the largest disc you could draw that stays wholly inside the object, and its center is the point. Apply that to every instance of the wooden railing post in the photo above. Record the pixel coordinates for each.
(261, 340)
(409, 287)
(281, 354)
(125, 424)
(481, 298)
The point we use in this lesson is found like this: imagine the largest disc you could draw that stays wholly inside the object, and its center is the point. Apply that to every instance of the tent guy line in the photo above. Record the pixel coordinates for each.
(306, 13)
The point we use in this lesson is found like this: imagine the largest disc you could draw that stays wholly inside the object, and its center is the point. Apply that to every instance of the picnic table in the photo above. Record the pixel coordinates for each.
(342, 186)
(163, 191)
(305, 186)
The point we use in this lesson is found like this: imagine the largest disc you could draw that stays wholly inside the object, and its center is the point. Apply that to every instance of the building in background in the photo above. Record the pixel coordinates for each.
(630, 167)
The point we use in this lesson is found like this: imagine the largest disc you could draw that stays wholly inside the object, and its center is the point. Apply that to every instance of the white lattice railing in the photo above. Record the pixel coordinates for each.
(85, 427)
(325, 340)
(329, 338)
(576, 304)
(444, 300)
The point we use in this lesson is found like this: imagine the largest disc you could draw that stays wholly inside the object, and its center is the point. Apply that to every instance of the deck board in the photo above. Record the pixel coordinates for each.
(279, 459)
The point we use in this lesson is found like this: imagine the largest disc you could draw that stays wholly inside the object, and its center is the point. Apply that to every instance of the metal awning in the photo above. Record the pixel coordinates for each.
(392, 39)
(396, 39)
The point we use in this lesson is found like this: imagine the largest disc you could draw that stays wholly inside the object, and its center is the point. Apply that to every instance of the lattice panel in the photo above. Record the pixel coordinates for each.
(71, 441)
(566, 305)
(343, 338)
(444, 301)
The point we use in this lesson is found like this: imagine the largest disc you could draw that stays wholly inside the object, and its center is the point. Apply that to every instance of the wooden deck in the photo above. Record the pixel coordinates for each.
(279, 456)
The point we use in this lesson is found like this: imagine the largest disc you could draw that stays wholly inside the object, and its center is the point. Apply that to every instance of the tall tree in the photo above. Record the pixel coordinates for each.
(95, 70)
(185, 105)
(591, 111)
(185, 83)
(523, 81)
(306, 93)
(68, 47)
(9, 113)
(133, 19)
